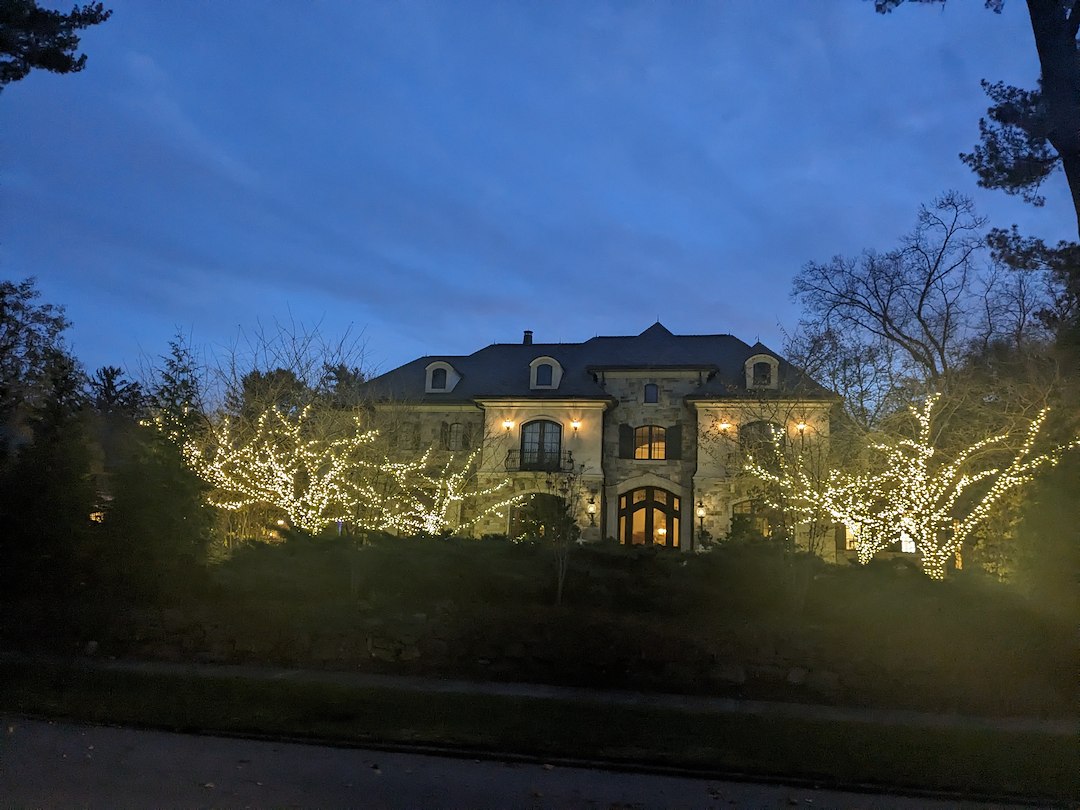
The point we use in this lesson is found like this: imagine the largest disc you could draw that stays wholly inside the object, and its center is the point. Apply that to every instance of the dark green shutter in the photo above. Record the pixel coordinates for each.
(673, 442)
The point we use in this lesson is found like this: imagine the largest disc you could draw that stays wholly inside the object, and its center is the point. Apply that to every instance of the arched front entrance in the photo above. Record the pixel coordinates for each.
(649, 515)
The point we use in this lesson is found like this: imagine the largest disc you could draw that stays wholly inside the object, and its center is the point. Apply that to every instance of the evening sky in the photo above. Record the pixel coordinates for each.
(437, 176)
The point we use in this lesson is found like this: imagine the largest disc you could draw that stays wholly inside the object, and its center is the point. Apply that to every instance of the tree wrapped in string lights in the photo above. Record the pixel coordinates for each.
(286, 462)
(426, 498)
(910, 490)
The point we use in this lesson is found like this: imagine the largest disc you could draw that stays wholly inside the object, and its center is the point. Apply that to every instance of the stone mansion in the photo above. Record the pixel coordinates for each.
(649, 431)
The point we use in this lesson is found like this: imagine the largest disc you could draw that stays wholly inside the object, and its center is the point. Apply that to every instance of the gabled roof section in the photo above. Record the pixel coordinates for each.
(501, 370)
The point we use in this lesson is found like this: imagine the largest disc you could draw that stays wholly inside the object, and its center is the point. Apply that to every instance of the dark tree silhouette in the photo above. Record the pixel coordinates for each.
(1029, 133)
(33, 37)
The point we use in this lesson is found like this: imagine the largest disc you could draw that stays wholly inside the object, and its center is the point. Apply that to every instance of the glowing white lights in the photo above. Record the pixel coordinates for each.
(908, 496)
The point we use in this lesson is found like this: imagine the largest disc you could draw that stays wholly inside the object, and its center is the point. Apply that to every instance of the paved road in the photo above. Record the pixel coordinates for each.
(49, 764)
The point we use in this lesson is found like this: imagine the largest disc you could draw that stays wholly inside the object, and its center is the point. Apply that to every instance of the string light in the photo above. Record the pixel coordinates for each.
(284, 463)
(288, 463)
(908, 493)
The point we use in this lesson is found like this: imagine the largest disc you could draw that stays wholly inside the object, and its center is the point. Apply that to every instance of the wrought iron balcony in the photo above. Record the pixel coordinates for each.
(539, 461)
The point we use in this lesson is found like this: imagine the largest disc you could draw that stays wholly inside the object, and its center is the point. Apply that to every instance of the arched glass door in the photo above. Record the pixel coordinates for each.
(649, 516)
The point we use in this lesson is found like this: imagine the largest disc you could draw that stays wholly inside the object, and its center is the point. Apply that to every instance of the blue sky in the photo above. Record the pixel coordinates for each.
(438, 176)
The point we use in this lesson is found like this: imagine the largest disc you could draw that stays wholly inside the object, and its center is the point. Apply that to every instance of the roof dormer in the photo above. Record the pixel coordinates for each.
(762, 372)
(441, 378)
(545, 373)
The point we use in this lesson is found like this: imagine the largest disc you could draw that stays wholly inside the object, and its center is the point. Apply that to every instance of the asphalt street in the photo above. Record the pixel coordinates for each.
(50, 764)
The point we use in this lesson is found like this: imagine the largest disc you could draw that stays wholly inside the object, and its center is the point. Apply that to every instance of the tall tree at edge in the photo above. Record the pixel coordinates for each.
(1028, 133)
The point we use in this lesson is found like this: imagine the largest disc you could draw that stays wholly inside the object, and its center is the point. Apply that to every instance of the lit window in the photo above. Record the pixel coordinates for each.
(438, 379)
(649, 516)
(649, 442)
(543, 374)
(652, 393)
(907, 544)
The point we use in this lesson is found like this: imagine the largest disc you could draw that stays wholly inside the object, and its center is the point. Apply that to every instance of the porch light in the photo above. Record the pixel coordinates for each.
(590, 507)
(700, 512)
(575, 424)
(508, 425)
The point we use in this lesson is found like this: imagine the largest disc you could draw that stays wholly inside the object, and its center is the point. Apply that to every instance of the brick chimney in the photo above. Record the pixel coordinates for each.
(527, 340)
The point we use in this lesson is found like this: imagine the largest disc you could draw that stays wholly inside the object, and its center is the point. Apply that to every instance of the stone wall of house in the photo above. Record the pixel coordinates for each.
(626, 474)
(720, 483)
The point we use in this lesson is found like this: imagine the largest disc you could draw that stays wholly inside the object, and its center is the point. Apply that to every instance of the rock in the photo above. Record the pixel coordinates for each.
(435, 646)
(824, 682)
(383, 654)
(797, 676)
(382, 649)
(767, 672)
(729, 673)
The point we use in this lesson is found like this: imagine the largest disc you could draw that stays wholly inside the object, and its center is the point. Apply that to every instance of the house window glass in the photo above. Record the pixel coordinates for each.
(649, 442)
(543, 374)
(438, 379)
(754, 519)
(541, 445)
(650, 516)
(762, 373)
(764, 441)
(456, 437)
(652, 393)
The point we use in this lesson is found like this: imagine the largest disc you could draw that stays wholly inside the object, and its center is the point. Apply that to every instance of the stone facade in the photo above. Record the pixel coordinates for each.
(644, 437)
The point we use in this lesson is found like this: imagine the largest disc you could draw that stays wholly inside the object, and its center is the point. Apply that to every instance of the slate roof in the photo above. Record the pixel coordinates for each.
(501, 370)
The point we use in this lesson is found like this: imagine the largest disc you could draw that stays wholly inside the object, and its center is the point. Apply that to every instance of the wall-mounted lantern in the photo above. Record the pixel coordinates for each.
(575, 424)
(700, 512)
(801, 427)
(590, 507)
(508, 425)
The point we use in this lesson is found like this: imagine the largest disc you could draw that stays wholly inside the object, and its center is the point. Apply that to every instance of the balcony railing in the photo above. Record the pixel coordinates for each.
(539, 461)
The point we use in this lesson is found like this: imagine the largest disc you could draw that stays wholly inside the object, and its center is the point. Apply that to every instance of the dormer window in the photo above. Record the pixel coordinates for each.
(545, 372)
(762, 374)
(762, 371)
(441, 377)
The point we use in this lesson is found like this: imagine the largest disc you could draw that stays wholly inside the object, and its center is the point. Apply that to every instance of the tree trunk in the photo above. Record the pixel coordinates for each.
(1055, 29)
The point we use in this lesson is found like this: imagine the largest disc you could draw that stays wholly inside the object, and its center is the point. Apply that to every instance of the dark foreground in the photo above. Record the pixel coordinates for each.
(50, 764)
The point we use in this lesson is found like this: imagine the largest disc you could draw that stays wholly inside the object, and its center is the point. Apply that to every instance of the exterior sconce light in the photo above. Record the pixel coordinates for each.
(575, 424)
(724, 427)
(801, 427)
(700, 512)
(590, 507)
(508, 425)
